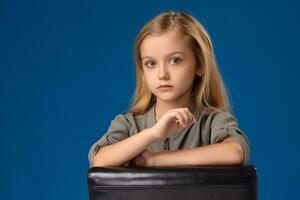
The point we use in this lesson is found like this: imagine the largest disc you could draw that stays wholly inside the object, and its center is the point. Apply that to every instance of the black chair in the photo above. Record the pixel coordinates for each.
(174, 183)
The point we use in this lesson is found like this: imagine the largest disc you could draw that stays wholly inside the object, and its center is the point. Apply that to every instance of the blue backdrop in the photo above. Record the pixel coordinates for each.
(66, 69)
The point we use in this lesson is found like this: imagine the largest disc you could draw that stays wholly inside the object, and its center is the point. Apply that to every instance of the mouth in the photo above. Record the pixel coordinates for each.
(164, 86)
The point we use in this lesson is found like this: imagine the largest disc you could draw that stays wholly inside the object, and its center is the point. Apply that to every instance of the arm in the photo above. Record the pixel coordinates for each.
(119, 153)
(226, 152)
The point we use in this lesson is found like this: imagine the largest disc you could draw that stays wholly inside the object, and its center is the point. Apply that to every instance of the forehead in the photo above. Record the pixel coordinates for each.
(161, 45)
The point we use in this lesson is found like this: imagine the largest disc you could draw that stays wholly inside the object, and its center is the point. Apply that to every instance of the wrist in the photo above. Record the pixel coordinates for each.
(153, 132)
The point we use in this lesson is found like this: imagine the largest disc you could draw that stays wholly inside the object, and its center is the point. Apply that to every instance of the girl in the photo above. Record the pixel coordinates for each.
(180, 114)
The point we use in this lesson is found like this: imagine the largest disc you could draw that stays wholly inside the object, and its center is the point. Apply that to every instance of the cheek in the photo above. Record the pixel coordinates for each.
(149, 80)
(186, 76)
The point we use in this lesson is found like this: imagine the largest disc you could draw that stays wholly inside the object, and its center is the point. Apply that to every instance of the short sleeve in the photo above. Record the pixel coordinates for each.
(117, 131)
(225, 125)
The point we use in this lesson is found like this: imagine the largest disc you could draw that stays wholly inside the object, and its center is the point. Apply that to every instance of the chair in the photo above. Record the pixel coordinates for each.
(174, 183)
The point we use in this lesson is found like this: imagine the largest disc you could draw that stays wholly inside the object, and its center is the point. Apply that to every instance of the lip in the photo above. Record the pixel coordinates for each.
(165, 87)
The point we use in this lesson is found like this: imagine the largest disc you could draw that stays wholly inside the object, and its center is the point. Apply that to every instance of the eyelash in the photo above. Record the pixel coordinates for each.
(147, 62)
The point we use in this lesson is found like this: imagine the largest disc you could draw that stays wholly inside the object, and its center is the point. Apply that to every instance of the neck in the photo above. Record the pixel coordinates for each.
(162, 107)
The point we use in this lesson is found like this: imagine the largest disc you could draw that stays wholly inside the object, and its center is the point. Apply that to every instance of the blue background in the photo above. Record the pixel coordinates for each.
(66, 69)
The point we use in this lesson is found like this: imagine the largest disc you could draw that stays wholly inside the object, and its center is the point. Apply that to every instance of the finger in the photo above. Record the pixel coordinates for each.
(189, 116)
(192, 117)
(141, 161)
(136, 159)
(180, 117)
(186, 116)
(135, 162)
(177, 123)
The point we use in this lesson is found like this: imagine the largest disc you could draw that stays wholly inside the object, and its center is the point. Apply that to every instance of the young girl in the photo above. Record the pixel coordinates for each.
(180, 113)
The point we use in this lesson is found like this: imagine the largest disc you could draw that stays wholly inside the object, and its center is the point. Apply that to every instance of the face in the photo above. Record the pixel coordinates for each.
(168, 60)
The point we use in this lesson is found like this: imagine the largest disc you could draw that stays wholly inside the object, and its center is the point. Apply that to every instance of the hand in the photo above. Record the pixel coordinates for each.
(172, 121)
(146, 158)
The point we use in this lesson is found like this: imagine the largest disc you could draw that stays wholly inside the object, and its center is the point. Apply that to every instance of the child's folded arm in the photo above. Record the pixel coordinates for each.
(123, 151)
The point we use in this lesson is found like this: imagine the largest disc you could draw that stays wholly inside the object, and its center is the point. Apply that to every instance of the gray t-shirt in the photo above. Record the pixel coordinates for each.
(209, 128)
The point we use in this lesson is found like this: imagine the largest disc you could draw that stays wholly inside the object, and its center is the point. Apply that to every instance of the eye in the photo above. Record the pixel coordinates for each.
(176, 60)
(149, 63)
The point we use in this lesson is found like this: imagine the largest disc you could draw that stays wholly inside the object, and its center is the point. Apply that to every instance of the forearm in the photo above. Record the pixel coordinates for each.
(123, 151)
(214, 154)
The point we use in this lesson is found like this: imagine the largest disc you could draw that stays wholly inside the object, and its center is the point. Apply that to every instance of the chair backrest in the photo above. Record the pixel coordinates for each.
(180, 182)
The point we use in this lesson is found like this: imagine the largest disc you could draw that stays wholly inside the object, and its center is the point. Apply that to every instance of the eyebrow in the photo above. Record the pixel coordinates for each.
(169, 54)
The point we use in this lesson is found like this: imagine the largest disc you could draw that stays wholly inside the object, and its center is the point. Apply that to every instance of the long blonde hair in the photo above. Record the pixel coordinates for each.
(208, 91)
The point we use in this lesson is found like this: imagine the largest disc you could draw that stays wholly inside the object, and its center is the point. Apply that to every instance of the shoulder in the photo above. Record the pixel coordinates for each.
(128, 120)
(121, 121)
(218, 117)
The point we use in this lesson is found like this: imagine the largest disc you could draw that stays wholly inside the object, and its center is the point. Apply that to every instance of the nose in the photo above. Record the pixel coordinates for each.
(162, 73)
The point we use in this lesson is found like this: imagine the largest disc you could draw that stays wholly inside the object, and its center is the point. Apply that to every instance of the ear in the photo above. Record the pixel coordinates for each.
(199, 72)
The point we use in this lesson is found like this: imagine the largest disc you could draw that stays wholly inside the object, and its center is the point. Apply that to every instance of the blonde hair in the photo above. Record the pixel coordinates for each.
(208, 90)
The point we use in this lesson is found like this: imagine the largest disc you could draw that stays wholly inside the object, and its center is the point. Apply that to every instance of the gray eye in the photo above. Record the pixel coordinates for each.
(176, 59)
(149, 63)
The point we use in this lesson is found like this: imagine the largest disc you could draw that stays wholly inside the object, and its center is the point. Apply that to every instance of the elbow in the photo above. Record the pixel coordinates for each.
(98, 161)
(103, 164)
(234, 155)
(237, 153)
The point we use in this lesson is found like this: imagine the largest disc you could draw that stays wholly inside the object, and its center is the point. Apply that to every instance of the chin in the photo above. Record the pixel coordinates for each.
(168, 97)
